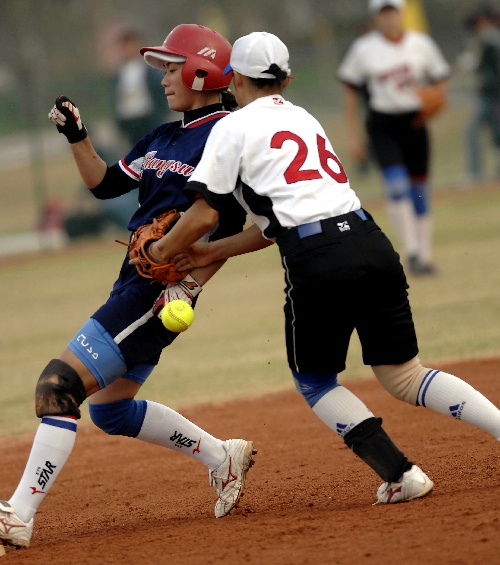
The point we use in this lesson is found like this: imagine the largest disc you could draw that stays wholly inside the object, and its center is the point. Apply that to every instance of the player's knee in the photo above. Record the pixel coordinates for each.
(420, 198)
(59, 391)
(313, 386)
(123, 417)
(397, 182)
(402, 381)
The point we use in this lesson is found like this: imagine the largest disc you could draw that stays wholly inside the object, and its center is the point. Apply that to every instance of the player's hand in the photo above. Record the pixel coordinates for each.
(66, 116)
(197, 255)
(186, 290)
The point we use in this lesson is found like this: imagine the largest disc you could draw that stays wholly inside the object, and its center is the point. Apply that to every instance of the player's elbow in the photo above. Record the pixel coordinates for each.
(206, 216)
(211, 217)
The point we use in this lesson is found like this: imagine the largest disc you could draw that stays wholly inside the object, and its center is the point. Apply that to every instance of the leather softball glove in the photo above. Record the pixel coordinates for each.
(143, 237)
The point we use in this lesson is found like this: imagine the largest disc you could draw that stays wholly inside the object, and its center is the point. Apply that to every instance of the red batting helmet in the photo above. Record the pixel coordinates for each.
(204, 52)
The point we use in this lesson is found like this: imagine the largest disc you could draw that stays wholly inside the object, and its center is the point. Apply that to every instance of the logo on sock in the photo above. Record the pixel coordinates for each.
(197, 448)
(457, 409)
(182, 441)
(343, 429)
(34, 490)
(44, 473)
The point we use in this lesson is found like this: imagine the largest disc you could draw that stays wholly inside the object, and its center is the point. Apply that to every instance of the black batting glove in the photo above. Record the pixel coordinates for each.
(68, 121)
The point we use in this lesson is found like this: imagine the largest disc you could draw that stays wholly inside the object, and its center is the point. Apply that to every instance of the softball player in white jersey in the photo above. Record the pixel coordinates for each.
(389, 64)
(276, 159)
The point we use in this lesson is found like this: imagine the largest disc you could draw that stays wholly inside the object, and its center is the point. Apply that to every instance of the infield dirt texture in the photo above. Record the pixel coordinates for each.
(308, 500)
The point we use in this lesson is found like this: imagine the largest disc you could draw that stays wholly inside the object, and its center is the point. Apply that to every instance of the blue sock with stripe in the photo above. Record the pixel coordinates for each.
(453, 397)
(53, 443)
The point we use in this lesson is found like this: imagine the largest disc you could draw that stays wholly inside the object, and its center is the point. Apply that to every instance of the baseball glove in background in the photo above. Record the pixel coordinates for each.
(143, 237)
(433, 101)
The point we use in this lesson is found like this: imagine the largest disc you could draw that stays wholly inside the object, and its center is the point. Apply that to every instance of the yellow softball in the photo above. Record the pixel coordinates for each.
(177, 316)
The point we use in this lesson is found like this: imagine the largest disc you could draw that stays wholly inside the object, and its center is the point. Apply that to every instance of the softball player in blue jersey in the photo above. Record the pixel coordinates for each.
(292, 184)
(115, 351)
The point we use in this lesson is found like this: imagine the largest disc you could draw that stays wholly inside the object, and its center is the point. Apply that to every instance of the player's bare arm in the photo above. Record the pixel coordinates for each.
(352, 110)
(90, 166)
(202, 274)
(200, 254)
(66, 116)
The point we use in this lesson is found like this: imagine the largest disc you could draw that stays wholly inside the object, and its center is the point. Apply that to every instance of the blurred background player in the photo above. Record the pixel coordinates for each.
(484, 24)
(115, 351)
(391, 63)
(138, 103)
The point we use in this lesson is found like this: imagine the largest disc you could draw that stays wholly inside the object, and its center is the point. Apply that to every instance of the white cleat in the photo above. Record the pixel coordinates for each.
(414, 483)
(229, 478)
(13, 531)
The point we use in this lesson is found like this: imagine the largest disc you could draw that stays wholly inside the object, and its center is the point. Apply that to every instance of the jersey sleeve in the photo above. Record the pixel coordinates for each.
(437, 66)
(218, 201)
(131, 164)
(351, 67)
(216, 175)
(115, 183)
(232, 219)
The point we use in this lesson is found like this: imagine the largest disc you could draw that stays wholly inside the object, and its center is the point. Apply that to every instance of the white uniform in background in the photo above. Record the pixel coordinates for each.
(390, 72)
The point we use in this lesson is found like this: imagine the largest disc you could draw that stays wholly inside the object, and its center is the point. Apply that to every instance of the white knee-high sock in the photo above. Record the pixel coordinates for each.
(424, 227)
(163, 426)
(403, 218)
(452, 396)
(341, 410)
(53, 443)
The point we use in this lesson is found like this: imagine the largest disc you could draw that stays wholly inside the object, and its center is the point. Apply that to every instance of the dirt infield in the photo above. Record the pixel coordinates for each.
(308, 499)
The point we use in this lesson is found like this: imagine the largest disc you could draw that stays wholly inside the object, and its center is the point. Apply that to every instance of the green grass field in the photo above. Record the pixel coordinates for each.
(235, 347)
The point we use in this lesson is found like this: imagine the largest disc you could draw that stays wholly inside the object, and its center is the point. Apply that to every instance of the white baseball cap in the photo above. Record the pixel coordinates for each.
(253, 55)
(376, 5)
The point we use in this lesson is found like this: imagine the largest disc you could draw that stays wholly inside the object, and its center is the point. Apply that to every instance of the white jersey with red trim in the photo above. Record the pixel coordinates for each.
(393, 70)
(277, 160)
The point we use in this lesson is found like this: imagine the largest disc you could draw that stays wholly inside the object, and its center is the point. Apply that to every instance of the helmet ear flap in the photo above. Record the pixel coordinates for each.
(192, 76)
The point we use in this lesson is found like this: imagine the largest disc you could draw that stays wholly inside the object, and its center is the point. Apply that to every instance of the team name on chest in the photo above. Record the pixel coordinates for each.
(400, 75)
(161, 166)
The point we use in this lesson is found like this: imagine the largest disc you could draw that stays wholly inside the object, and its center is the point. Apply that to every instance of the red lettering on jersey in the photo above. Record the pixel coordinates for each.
(324, 155)
(294, 173)
(161, 166)
(401, 76)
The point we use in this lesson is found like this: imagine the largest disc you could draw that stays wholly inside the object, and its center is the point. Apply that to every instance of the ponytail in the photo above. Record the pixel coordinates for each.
(228, 100)
(279, 74)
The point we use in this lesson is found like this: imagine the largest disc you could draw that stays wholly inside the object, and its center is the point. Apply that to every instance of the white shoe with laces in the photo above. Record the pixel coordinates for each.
(13, 531)
(229, 478)
(414, 483)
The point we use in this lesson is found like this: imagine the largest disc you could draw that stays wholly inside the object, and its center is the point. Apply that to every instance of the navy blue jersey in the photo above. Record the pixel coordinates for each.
(162, 162)
(158, 166)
